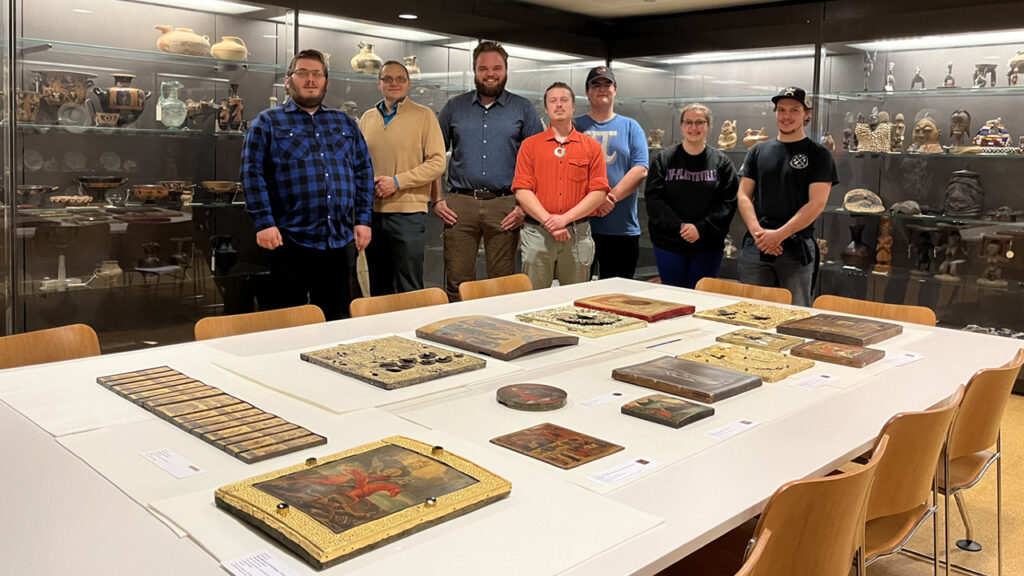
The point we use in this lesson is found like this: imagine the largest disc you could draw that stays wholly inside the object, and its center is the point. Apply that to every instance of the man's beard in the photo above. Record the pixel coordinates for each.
(483, 90)
(307, 101)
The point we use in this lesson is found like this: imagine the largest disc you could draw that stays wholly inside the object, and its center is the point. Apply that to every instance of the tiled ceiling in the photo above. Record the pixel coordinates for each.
(627, 8)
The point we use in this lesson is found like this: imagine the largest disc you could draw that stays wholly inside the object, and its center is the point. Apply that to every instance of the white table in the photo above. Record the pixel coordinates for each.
(64, 516)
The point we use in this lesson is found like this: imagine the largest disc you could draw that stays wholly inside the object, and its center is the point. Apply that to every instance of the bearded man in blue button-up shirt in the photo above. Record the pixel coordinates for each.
(309, 188)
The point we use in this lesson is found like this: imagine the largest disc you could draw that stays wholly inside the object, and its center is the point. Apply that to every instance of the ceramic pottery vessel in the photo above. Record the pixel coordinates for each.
(230, 48)
(150, 192)
(856, 252)
(182, 41)
(60, 87)
(150, 255)
(412, 65)
(366, 61)
(28, 105)
(229, 117)
(123, 99)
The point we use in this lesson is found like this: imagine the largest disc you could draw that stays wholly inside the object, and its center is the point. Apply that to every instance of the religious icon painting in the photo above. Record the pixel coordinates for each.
(770, 366)
(582, 321)
(647, 309)
(692, 380)
(751, 314)
(667, 410)
(556, 445)
(392, 361)
(531, 397)
(759, 339)
(841, 329)
(836, 353)
(331, 509)
(501, 339)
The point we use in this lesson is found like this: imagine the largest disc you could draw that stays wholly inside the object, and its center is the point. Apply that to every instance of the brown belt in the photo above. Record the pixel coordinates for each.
(482, 193)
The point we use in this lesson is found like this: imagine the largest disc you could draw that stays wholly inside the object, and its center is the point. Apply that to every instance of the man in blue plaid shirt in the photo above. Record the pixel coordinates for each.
(309, 188)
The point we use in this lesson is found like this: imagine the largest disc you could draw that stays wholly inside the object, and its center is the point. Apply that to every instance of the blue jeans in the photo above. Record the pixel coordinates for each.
(684, 270)
(786, 270)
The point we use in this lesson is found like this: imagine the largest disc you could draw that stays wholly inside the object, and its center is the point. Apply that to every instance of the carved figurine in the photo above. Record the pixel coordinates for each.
(919, 252)
(822, 247)
(727, 139)
(883, 246)
(960, 127)
(1015, 67)
(654, 138)
(869, 66)
(890, 78)
(849, 140)
(828, 141)
(949, 81)
(964, 195)
(953, 256)
(981, 71)
(754, 136)
(926, 137)
(992, 253)
(918, 80)
(899, 130)
(351, 109)
(876, 135)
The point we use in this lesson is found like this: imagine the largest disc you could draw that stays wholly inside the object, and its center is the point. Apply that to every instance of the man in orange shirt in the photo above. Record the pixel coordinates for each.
(560, 181)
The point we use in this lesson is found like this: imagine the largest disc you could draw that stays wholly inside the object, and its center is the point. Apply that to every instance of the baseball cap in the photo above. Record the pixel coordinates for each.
(600, 72)
(795, 93)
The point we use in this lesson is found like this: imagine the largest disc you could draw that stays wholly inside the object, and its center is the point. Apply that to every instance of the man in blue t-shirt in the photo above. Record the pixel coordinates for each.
(616, 229)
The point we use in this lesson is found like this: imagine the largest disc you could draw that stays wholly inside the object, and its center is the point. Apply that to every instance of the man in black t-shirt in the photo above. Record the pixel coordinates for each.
(784, 185)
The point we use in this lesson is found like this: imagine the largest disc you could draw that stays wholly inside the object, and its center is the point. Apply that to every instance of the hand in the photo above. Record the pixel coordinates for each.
(689, 232)
(269, 238)
(362, 233)
(442, 211)
(769, 241)
(556, 222)
(606, 206)
(562, 235)
(513, 219)
(384, 186)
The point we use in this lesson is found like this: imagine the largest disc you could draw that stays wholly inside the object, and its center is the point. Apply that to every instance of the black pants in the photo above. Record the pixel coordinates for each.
(616, 255)
(395, 255)
(301, 275)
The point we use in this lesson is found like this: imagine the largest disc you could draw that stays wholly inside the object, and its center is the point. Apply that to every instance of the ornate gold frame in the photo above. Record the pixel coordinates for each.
(319, 545)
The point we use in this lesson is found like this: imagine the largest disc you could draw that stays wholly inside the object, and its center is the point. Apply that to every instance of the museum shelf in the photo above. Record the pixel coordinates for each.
(960, 92)
(931, 219)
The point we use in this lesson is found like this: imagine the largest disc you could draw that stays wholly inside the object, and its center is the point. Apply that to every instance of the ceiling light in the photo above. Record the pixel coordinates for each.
(271, 36)
(946, 41)
(702, 57)
(408, 16)
(520, 52)
(332, 23)
(218, 6)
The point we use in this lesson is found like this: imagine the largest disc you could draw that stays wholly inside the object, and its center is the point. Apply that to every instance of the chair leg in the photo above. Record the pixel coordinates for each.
(968, 543)
(999, 503)
(945, 495)
(935, 524)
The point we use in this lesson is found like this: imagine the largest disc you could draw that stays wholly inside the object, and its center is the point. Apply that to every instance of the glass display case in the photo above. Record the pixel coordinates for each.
(930, 127)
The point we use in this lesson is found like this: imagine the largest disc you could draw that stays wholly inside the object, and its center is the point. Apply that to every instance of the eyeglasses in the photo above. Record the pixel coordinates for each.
(695, 123)
(396, 80)
(302, 73)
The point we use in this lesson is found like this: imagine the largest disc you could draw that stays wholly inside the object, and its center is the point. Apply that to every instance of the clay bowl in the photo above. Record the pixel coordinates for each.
(100, 182)
(177, 185)
(31, 194)
(150, 192)
(221, 186)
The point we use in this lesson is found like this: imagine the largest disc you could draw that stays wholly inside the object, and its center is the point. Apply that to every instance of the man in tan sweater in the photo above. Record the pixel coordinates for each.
(407, 151)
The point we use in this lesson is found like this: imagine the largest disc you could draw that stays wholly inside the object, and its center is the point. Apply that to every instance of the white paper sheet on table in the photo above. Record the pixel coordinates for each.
(288, 374)
(115, 451)
(559, 524)
(480, 417)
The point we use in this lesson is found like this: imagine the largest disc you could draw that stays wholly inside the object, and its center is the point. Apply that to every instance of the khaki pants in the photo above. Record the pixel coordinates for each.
(545, 258)
(476, 219)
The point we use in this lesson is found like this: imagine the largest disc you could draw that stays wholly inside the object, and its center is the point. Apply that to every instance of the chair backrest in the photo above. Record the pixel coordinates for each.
(50, 345)
(234, 324)
(903, 479)
(976, 425)
(392, 302)
(752, 565)
(511, 284)
(898, 312)
(767, 293)
(818, 523)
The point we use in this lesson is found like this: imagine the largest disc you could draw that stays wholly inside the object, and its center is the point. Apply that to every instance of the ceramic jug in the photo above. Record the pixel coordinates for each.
(412, 65)
(366, 61)
(60, 87)
(182, 41)
(230, 48)
(123, 99)
(170, 110)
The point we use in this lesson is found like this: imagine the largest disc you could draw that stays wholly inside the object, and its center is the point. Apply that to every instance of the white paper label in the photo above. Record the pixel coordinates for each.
(172, 463)
(601, 400)
(903, 358)
(624, 471)
(262, 563)
(814, 381)
(731, 429)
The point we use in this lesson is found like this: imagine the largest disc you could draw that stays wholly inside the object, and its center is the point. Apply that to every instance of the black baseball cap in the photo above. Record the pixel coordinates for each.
(600, 72)
(798, 94)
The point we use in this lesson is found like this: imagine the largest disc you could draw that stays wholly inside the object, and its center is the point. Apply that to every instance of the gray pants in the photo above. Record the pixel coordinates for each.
(395, 253)
(786, 270)
(545, 258)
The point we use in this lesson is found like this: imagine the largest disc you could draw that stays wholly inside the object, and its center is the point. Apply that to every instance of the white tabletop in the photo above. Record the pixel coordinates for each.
(85, 501)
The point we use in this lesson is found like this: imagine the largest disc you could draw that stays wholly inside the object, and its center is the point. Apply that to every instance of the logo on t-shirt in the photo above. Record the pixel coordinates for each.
(799, 161)
(605, 137)
(688, 176)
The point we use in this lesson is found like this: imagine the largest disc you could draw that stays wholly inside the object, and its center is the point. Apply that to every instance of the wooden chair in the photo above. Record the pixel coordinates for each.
(817, 523)
(730, 288)
(234, 324)
(898, 502)
(494, 287)
(50, 345)
(752, 565)
(977, 426)
(898, 312)
(392, 302)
